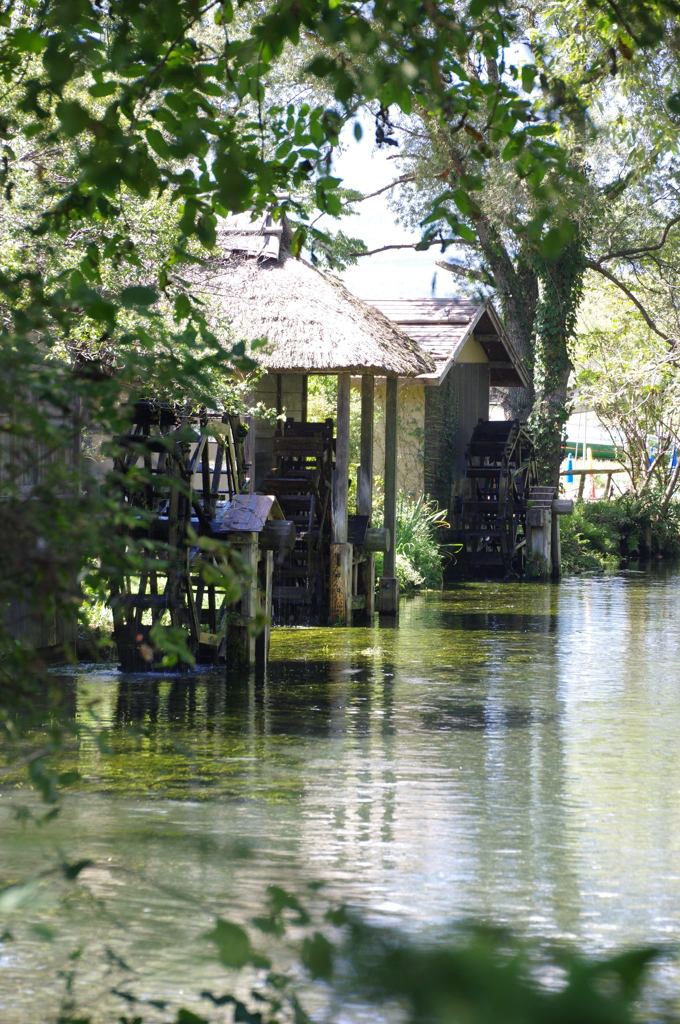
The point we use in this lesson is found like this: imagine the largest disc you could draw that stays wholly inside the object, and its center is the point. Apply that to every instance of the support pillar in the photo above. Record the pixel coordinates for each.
(341, 560)
(556, 547)
(539, 543)
(365, 490)
(388, 599)
(265, 577)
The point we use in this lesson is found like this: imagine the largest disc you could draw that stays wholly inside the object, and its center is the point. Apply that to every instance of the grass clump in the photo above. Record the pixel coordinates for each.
(420, 552)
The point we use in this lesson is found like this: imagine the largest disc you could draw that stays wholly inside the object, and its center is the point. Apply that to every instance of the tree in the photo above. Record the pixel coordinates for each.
(595, 95)
(626, 375)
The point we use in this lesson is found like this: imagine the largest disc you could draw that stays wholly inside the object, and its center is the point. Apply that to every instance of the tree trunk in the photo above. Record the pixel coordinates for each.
(561, 287)
(517, 284)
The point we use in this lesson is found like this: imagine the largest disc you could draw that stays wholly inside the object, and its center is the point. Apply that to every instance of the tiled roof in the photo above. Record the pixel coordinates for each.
(442, 326)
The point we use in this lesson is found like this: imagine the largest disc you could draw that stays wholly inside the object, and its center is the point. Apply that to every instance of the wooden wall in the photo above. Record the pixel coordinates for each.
(452, 410)
(285, 393)
(411, 433)
(44, 633)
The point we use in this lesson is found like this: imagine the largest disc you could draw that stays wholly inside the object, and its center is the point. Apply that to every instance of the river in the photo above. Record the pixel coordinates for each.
(509, 752)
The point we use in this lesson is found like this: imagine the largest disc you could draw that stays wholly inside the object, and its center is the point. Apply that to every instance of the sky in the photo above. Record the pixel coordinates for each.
(397, 274)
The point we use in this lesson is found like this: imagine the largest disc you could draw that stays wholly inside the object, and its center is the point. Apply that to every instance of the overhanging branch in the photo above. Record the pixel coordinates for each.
(592, 265)
(456, 268)
(403, 245)
(625, 253)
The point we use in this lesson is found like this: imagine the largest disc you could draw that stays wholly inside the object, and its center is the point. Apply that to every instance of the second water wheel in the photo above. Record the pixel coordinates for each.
(500, 470)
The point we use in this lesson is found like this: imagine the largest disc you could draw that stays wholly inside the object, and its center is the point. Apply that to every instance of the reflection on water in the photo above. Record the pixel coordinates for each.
(509, 752)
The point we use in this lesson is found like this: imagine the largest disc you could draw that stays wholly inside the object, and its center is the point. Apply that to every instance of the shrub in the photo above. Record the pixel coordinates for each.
(599, 534)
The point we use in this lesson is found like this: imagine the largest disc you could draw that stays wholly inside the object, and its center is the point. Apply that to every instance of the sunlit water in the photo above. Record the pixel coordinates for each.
(509, 752)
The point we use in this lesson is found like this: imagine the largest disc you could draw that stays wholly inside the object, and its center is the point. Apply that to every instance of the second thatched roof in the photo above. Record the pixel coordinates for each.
(312, 323)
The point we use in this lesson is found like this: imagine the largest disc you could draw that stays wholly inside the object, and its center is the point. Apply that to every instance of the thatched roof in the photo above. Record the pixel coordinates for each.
(312, 322)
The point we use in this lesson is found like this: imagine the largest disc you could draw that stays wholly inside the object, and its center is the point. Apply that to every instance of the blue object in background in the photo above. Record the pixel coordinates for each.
(570, 466)
(674, 459)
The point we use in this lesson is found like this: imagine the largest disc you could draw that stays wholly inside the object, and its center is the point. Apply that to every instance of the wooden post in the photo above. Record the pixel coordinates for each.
(265, 575)
(341, 562)
(539, 543)
(388, 603)
(240, 640)
(556, 547)
(305, 397)
(249, 451)
(365, 489)
(365, 478)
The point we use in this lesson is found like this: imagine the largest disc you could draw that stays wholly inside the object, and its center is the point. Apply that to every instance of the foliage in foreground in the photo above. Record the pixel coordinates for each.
(600, 534)
(421, 556)
(481, 975)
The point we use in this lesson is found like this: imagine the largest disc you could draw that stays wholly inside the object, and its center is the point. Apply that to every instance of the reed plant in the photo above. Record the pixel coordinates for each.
(421, 550)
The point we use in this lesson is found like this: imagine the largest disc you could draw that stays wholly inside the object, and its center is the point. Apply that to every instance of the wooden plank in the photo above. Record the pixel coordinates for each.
(356, 529)
(298, 447)
(391, 406)
(247, 513)
(595, 471)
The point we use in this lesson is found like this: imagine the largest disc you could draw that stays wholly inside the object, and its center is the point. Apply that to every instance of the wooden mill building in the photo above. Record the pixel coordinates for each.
(438, 410)
(313, 325)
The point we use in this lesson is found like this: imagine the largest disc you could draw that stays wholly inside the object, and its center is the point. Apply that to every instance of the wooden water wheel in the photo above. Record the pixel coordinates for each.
(500, 470)
(176, 470)
(301, 481)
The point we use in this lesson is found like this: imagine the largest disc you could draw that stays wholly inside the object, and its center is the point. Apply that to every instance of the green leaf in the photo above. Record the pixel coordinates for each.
(182, 307)
(337, 916)
(68, 778)
(537, 130)
(71, 871)
(317, 956)
(138, 295)
(528, 76)
(27, 41)
(673, 103)
(233, 944)
(15, 897)
(158, 143)
(74, 118)
(103, 89)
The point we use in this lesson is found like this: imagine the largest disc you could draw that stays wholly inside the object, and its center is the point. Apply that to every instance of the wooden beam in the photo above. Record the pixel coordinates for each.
(341, 473)
(365, 477)
(341, 551)
(305, 394)
(391, 472)
(365, 492)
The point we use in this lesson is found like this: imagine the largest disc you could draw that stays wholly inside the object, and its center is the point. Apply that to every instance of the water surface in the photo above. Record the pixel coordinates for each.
(509, 752)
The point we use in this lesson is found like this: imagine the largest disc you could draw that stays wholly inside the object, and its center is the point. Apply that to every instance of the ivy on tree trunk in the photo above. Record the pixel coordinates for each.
(561, 279)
